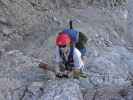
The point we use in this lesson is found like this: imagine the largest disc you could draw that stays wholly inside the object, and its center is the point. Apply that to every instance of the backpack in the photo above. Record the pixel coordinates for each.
(79, 39)
(81, 44)
(74, 34)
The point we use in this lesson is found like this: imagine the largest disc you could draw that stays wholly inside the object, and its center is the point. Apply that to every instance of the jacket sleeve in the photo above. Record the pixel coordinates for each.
(78, 63)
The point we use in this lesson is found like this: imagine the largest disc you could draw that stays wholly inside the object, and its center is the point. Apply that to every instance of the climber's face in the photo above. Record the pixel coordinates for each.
(64, 48)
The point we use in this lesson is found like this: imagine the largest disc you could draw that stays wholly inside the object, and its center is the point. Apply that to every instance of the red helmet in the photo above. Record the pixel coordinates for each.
(63, 39)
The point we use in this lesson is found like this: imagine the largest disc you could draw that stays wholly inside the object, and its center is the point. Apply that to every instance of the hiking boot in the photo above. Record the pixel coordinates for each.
(82, 75)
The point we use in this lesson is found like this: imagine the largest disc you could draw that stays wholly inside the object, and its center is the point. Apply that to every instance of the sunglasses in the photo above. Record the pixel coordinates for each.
(62, 46)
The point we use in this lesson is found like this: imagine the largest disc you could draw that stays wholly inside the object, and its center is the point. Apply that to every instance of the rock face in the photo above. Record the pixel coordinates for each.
(130, 22)
(57, 90)
(29, 20)
(26, 24)
(21, 79)
(27, 36)
(109, 66)
(68, 90)
(109, 93)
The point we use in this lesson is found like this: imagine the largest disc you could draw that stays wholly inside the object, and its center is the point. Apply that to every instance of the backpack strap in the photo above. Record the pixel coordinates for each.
(70, 57)
(62, 56)
(70, 62)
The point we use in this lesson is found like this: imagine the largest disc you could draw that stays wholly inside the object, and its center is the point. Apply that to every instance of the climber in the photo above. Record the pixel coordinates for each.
(70, 51)
(68, 58)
